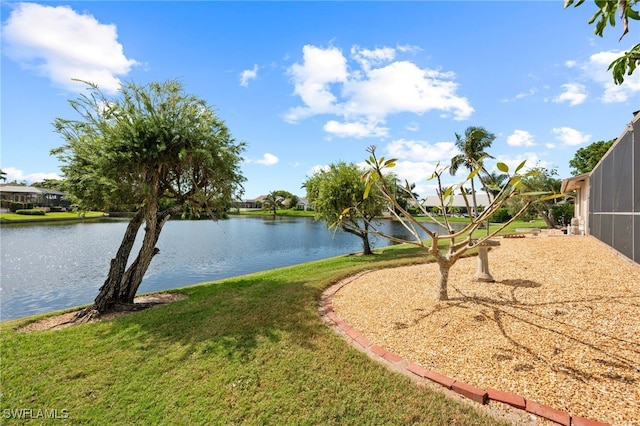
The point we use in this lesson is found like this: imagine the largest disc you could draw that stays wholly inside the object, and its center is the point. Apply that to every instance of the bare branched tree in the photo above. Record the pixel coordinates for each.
(459, 241)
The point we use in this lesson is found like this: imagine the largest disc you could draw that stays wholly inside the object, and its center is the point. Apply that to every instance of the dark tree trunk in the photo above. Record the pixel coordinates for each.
(133, 276)
(122, 283)
(366, 246)
(110, 290)
(551, 224)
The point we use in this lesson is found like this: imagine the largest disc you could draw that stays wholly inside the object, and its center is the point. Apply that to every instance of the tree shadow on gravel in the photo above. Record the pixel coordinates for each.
(520, 283)
(508, 311)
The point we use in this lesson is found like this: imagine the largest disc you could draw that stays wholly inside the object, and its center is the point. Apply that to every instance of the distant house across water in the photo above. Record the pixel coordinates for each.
(258, 203)
(252, 203)
(38, 197)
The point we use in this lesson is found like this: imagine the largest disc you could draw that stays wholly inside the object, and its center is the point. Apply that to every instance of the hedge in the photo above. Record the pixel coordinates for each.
(20, 206)
(500, 216)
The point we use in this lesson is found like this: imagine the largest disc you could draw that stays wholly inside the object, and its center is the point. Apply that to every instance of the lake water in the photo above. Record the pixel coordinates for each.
(62, 265)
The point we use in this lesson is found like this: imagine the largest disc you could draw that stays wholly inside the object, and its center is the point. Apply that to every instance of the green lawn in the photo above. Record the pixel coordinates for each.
(12, 217)
(247, 350)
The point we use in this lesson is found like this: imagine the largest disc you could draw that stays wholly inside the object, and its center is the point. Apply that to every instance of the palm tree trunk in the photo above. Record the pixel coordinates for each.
(473, 197)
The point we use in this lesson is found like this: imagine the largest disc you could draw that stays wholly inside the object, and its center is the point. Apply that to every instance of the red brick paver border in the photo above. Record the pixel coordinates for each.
(481, 396)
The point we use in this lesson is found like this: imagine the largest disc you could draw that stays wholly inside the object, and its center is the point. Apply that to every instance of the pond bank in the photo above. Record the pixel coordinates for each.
(11, 218)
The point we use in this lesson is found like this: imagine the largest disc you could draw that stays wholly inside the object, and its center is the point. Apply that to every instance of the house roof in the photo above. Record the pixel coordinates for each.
(573, 183)
(20, 189)
(50, 191)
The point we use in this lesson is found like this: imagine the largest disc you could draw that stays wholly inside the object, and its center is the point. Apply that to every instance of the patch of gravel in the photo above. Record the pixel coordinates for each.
(560, 326)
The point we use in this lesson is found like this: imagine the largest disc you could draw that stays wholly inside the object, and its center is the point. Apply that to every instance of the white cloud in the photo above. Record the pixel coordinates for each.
(247, 75)
(14, 174)
(531, 92)
(520, 138)
(404, 87)
(574, 93)
(521, 95)
(320, 69)
(408, 48)
(317, 168)
(355, 129)
(62, 45)
(417, 160)
(267, 159)
(569, 136)
(513, 161)
(413, 126)
(418, 172)
(596, 70)
(366, 90)
(367, 58)
(422, 151)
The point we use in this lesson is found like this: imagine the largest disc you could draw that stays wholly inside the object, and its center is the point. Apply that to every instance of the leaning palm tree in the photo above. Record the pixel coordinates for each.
(472, 147)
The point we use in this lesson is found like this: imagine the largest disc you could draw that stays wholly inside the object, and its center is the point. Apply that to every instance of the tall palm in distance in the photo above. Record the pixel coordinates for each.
(473, 148)
(273, 202)
(494, 181)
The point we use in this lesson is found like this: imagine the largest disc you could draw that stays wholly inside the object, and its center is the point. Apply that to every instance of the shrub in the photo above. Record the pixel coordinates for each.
(500, 216)
(16, 206)
(562, 213)
(57, 209)
(31, 212)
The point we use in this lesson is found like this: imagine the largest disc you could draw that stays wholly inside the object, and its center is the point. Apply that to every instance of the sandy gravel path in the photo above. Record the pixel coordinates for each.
(560, 326)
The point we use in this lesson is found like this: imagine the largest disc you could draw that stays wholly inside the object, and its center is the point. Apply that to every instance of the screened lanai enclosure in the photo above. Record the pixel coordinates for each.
(614, 194)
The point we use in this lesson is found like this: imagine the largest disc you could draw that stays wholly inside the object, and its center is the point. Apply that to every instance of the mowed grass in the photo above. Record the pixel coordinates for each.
(13, 217)
(247, 350)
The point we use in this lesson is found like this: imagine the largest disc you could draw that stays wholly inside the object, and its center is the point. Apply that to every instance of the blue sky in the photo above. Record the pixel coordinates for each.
(306, 84)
